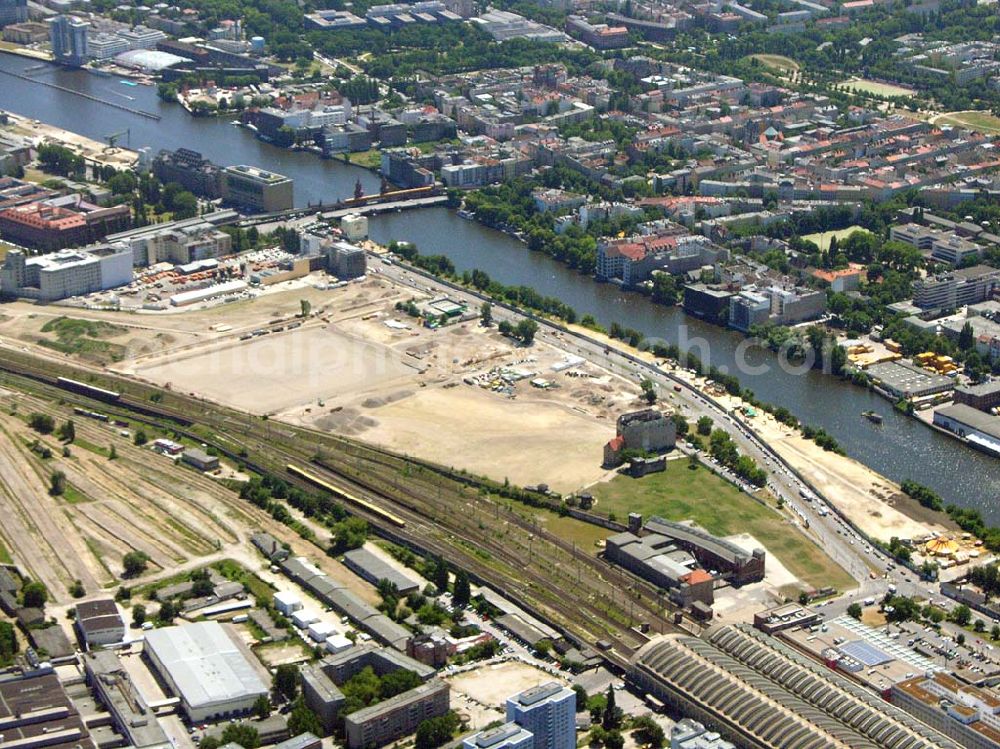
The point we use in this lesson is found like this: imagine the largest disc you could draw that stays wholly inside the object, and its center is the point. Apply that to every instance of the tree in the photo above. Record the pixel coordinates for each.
(960, 639)
(854, 611)
(34, 594)
(138, 615)
(486, 314)
(648, 391)
(241, 733)
(8, 643)
(967, 338)
(440, 578)
(995, 632)
(57, 483)
(262, 708)
(979, 625)
(112, 452)
(348, 534)
(303, 720)
(961, 615)
(435, 732)
(581, 698)
(525, 331)
(647, 732)
(614, 740)
(305, 307)
(680, 423)
(134, 563)
(140, 438)
(76, 589)
(705, 425)
(41, 423)
(463, 592)
(286, 681)
(167, 612)
(67, 432)
(611, 718)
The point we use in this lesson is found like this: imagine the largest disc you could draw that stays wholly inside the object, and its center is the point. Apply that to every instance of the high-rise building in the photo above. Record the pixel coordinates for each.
(69, 40)
(548, 712)
(13, 11)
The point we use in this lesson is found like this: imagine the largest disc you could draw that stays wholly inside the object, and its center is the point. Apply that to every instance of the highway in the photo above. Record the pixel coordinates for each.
(865, 563)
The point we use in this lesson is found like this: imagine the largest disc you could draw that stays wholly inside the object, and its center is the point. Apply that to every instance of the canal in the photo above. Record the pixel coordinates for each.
(901, 449)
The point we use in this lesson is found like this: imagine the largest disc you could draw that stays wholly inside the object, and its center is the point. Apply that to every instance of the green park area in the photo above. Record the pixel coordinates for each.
(822, 239)
(778, 62)
(683, 493)
(984, 122)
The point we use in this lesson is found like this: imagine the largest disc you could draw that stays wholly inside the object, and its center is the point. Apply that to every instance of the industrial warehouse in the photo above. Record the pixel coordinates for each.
(762, 694)
(204, 666)
(678, 557)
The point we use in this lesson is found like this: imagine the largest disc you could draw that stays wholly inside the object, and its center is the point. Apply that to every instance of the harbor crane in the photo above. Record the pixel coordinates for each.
(112, 139)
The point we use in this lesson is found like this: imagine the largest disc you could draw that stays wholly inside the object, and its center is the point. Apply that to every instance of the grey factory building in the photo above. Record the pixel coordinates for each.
(659, 560)
(979, 429)
(332, 594)
(213, 675)
(132, 717)
(904, 380)
(368, 566)
(36, 712)
(761, 694)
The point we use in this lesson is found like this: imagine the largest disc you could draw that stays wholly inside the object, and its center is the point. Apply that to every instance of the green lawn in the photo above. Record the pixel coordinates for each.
(5, 557)
(681, 493)
(822, 239)
(84, 338)
(778, 62)
(981, 121)
(74, 496)
(584, 535)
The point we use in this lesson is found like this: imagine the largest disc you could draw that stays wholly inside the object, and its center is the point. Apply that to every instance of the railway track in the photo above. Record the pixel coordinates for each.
(524, 562)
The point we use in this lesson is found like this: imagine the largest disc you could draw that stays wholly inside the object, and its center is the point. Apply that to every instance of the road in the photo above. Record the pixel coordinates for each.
(818, 519)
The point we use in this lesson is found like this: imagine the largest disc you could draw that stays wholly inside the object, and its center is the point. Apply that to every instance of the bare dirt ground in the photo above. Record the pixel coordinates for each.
(867, 498)
(492, 684)
(359, 367)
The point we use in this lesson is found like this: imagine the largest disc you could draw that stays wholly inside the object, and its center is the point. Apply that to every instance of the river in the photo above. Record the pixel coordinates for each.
(901, 449)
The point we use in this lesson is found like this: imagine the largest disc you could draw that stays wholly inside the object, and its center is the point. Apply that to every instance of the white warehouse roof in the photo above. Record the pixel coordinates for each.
(204, 664)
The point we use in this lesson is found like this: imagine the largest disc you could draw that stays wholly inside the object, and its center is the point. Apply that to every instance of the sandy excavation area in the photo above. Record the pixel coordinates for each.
(462, 395)
(281, 370)
(864, 496)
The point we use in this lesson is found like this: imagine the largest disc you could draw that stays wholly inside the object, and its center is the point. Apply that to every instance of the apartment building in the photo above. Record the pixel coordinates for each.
(956, 288)
(548, 712)
(398, 716)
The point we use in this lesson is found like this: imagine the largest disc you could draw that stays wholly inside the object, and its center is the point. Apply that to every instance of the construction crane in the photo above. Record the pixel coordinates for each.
(113, 138)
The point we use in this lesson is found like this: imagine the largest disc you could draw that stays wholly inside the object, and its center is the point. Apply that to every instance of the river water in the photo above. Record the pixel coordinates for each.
(902, 448)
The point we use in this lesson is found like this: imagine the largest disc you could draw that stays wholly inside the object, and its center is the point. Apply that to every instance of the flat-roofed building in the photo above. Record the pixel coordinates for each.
(970, 715)
(984, 397)
(396, 717)
(207, 668)
(507, 736)
(981, 430)
(35, 712)
(548, 712)
(118, 694)
(257, 190)
(65, 273)
(61, 222)
(373, 569)
(956, 288)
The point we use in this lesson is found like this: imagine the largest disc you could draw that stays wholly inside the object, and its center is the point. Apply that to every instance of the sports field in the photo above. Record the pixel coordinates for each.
(984, 122)
(822, 239)
(876, 88)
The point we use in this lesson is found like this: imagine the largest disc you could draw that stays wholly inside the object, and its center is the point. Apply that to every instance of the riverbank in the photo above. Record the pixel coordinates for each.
(21, 51)
(91, 150)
